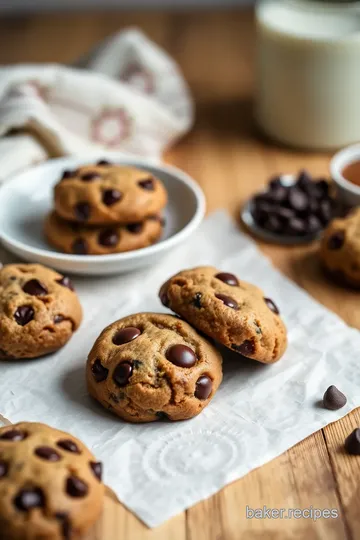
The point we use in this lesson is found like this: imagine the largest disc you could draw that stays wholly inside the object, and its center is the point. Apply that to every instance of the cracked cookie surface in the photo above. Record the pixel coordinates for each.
(104, 193)
(151, 366)
(74, 238)
(229, 310)
(340, 249)
(50, 484)
(39, 311)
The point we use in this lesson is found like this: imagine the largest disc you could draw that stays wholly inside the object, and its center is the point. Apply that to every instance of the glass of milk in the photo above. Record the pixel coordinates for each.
(308, 72)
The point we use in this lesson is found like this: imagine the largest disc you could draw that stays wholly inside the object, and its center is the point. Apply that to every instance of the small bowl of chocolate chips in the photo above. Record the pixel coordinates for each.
(291, 210)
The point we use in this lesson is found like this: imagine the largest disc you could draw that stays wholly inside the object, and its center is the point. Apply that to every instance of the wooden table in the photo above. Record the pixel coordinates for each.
(229, 160)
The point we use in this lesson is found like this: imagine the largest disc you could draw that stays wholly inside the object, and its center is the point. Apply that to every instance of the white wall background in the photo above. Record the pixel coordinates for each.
(33, 5)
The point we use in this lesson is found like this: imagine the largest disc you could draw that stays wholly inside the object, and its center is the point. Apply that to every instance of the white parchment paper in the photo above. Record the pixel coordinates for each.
(159, 469)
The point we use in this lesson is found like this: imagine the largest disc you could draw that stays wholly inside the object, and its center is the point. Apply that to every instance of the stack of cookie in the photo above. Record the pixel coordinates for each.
(106, 208)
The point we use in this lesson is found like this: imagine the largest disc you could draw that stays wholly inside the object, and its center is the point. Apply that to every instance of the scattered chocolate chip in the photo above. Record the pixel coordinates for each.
(108, 237)
(273, 223)
(27, 499)
(111, 196)
(67, 174)
(147, 184)
(298, 200)
(203, 387)
(271, 305)
(163, 295)
(227, 300)
(227, 278)
(96, 467)
(58, 319)
(161, 415)
(246, 348)
(13, 435)
(90, 176)
(82, 211)
(352, 442)
(181, 356)
(336, 240)
(76, 487)
(65, 282)
(69, 446)
(79, 246)
(197, 300)
(99, 371)
(3, 468)
(103, 162)
(125, 335)
(313, 224)
(35, 288)
(47, 453)
(23, 315)
(334, 399)
(296, 227)
(65, 524)
(135, 228)
(122, 373)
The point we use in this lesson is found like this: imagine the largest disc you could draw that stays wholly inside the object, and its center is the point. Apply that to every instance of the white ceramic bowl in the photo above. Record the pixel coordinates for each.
(348, 193)
(26, 199)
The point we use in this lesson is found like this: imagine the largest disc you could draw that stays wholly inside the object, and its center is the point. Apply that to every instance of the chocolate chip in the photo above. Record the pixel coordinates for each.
(163, 295)
(227, 278)
(96, 467)
(76, 487)
(35, 288)
(135, 228)
(13, 435)
(228, 301)
(99, 371)
(65, 524)
(3, 468)
(297, 199)
(125, 335)
(82, 211)
(69, 446)
(275, 183)
(336, 240)
(181, 356)
(47, 453)
(79, 246)
(58, 319)
(325, 211)
(147, 184)
(23, 315)
(27, 499)
(203, 387)
(246, 348)
(104, 162)
(108, 237)
(284, 214)
(111, 196)
(273, 224)
(352, 442)
(296, 226)
(278, 194)
(122, 373)
(304, 181)
(271, 305)
(334, 399)
(65, 282)
(197, 300)
(67, 174)
(90, 176)
(313, 224)
(161, 415)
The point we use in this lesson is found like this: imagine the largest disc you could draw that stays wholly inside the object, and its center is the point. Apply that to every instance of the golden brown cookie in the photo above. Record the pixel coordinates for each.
(233, 312)
(39, 311)
(102, 194)
(50, 484)
(340, 249)
(74, 238)
(149, 366)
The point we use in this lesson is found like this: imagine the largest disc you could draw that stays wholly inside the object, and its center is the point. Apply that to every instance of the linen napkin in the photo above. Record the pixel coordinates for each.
(131, 98)
(259, 411)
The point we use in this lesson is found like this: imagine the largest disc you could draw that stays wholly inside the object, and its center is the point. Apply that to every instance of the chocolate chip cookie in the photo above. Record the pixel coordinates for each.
(75, 238)
(102, 194)
(151, 366)
(226, 308)
(39, 311)
(340, 249)
(50, 484)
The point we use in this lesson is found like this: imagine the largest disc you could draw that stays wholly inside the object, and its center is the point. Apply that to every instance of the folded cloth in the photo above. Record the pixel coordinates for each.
(131, 98)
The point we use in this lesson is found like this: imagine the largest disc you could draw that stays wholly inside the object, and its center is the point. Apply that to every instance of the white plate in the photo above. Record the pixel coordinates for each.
(268, 236)
(26, 199)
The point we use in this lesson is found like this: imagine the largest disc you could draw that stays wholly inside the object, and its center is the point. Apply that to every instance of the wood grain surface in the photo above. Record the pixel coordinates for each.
(230, 160)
